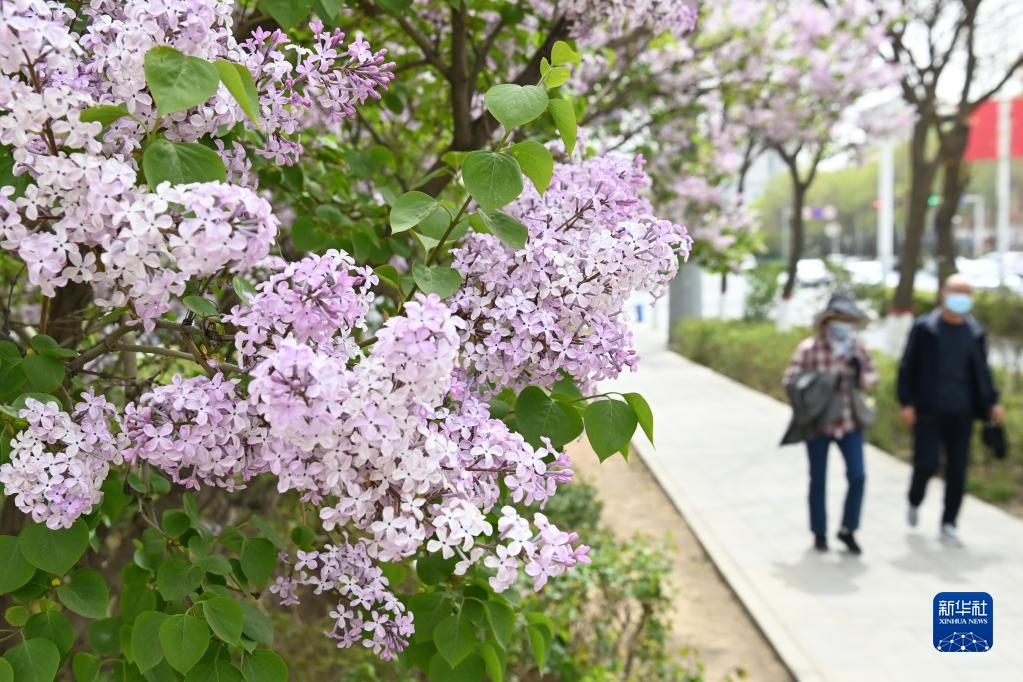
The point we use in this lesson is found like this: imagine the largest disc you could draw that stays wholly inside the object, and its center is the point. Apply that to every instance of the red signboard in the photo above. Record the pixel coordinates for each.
(983, 141)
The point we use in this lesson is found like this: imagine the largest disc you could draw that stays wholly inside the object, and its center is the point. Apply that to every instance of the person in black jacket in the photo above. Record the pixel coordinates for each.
(945, 383)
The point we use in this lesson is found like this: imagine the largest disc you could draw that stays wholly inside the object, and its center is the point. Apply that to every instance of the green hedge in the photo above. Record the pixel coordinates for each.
(756, 355)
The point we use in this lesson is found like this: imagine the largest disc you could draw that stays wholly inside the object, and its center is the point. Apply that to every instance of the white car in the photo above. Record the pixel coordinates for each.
(984, 274)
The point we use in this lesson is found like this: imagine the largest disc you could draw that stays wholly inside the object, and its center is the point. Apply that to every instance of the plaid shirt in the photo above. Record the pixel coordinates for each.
(814, 355)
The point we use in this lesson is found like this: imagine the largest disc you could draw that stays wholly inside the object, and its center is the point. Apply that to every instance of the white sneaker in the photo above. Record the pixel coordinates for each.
(913, 516)
(950, 536)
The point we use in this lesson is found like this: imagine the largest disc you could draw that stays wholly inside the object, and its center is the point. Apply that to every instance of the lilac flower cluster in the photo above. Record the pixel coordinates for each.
(195, 430)
(85, 218)
(546, 554)
(367, 612)
(321, 299)
(59, 462)
(291, 78)
(616, 18)
(556, 305)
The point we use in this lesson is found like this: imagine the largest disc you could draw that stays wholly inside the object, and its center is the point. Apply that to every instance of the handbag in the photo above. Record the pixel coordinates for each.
(994, 439)
(864, 410)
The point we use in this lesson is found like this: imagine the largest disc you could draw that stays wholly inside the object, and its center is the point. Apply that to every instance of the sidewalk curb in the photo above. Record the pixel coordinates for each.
(790, 653)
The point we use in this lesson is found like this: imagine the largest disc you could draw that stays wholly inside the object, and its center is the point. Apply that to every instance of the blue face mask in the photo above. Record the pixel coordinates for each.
(958, 303)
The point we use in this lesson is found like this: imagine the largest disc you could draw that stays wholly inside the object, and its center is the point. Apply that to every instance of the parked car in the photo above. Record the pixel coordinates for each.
(985, 274)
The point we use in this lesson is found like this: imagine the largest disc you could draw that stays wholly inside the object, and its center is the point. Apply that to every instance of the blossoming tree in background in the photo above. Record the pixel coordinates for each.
(227, 297)
(804, 68)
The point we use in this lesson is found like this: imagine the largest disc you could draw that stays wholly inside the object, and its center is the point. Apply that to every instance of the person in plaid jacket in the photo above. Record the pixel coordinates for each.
(835, 349)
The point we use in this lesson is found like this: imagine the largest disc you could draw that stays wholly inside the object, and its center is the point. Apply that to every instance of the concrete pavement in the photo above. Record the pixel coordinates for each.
(831, 617)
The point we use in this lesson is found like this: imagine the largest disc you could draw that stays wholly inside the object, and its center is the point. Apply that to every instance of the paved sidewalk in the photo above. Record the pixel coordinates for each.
(835, 616)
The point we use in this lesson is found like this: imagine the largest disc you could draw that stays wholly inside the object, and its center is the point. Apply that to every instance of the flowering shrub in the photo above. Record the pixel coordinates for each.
(171, 347)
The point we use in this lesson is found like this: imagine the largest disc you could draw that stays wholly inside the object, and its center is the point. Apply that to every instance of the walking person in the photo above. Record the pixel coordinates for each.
(823, 380)
(945, 383)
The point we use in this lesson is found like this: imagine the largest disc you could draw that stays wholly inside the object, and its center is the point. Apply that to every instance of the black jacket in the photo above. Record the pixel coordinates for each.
(918, 371)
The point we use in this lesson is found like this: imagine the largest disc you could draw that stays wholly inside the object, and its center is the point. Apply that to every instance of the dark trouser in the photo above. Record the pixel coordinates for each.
(851, 446)
(932, 433)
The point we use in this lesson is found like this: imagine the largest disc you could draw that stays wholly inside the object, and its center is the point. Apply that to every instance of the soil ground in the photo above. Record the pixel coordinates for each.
(709, 621)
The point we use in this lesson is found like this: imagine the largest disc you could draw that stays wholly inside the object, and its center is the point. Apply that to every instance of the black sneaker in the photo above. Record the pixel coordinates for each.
(820, 542)
(847, 538)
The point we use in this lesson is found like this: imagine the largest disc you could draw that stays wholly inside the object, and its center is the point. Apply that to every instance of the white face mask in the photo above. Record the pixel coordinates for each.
(840, 336)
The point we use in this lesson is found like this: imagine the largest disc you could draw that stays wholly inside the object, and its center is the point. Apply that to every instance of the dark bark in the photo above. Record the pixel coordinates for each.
(796, 234)
(954, 179)
(921, 178)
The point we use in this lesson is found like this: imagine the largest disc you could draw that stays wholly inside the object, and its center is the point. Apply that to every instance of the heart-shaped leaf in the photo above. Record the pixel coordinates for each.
(410, 209)
(238, 81)
(178, 81)
(436, 279)
(514, 105)
(492, 178)
(536, 162)
(180, 163)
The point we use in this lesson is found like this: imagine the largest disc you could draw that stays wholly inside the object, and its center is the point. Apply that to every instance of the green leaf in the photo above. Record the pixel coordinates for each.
(433, 569)
(455, 638)
(287, 13)
(556, 76)
(145, 639)
(388, 274)
(306, 235)
(6, 671)
(492, 178)
(644, 414)
(200, 306)
(609, 426)
(225, 618)
(136, 599)
(504, 227)
(104, 636)
(34, 660)
(178, 81)
(85, 667)
(563, 114)
(410, 209)
(471, 669)
(436, 279)
(537, 415)
(180, 163)
(184, 640)
(44, 374)
(495, 666)
(46, 345)
(394, 6)
(103, 113)
(215, 671)
(562, 53)
(176, 522)
(15, 571)
(16, 615)
(502, 621)
(264, 666)
(51, 625)
(244, 288)
(514, 105)
(54, 551)
(85, 593)
(259, 558)
(255, 625)
(238, 81)
(303, 536)
(538, 642)
(536, 162)
(176, 580)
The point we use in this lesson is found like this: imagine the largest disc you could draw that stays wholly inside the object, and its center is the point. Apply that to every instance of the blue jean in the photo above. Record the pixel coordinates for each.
(851, 446)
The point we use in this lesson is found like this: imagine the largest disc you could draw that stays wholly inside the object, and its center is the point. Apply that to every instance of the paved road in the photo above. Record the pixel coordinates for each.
(832, 617)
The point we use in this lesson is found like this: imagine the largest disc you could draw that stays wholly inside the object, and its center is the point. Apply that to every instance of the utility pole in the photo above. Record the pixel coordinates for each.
(886, 208)
(1004, 188)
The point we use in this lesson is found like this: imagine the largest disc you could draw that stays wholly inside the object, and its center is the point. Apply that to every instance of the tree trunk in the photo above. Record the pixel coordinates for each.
(921, 178)
(796, 229)
(953, 184)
